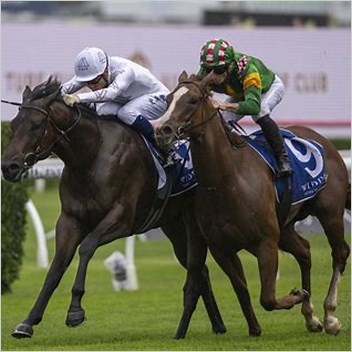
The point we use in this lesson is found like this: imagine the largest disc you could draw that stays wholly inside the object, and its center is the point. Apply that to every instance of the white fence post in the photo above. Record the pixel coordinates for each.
(42, 250)
(130, 266)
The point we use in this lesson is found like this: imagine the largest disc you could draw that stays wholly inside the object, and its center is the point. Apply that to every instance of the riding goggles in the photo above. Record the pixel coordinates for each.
(218, 70)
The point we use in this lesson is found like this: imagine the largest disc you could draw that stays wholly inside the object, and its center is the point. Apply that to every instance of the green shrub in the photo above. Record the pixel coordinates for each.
(341, 144)
(13, 222)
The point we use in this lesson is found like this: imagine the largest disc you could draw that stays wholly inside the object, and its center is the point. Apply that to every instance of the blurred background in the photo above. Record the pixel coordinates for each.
(306, 14)
(308, 43)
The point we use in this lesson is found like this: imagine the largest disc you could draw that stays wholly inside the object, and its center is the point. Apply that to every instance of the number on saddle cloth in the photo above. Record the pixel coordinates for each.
(306, 157)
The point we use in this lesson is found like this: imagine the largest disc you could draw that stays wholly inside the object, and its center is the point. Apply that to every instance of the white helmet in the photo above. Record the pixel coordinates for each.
(89, 64)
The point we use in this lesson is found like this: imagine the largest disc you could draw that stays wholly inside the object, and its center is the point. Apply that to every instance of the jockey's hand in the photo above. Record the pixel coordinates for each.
(232, 107)
(217, 104)
(71, 99)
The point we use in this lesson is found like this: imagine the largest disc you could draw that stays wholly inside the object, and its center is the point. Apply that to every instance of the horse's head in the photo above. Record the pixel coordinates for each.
(34, 131)
(188, 109)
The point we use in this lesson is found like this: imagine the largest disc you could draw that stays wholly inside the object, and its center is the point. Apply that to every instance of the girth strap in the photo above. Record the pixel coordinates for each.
(159, 203)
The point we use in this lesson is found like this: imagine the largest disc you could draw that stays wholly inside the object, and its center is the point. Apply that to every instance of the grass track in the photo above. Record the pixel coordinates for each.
(147, 319)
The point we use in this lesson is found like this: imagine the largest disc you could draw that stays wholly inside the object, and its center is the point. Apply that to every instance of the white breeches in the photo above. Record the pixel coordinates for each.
(150, 106)
(269, 100)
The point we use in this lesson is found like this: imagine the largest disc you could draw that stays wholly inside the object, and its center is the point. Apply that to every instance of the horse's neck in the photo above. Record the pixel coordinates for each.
(213, 155)
(80, 150)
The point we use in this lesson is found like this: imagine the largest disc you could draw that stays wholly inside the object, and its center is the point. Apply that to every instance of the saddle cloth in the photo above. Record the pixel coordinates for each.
(306, 157)
(307, 161)
(181, 170)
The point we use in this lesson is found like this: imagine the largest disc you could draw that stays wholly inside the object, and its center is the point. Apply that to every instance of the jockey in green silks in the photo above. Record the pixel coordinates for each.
(253, 90)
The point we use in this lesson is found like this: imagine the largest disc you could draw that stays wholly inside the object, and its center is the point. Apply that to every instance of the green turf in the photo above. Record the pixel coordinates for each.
(147, 319)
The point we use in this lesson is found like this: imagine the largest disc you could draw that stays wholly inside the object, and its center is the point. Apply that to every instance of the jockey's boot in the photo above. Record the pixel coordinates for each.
(143, 126)
(274, 138)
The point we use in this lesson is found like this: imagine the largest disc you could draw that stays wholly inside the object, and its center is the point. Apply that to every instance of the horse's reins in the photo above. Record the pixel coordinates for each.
(32, 158)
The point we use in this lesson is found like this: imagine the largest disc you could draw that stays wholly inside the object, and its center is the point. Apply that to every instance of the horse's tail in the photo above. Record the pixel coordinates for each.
(348, 198)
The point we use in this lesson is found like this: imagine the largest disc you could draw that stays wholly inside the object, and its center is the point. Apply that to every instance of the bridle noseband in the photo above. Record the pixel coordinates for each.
(187, 126)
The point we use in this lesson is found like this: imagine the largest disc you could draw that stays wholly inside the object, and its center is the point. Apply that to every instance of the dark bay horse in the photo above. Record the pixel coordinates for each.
(106, 190)
(236, 205)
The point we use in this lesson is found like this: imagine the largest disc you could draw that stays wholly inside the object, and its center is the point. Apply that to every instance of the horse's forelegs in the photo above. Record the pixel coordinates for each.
(196, 256)
(76, 314)
(67, 239)
(108, 230)
(292, 243)
(267, 256)
(206, 291)
(232, 267)
(210, 303)
(177, 231)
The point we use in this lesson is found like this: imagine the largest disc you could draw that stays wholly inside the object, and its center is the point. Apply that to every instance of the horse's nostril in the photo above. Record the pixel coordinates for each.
(13, 167)
(11, 171)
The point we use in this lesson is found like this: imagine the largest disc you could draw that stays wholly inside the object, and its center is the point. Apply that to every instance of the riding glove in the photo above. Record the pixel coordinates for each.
(71, 99)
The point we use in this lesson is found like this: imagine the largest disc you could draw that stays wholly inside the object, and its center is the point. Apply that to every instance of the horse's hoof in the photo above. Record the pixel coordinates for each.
(22, 330)
(255, 333)
(314, 325)
(220, 329)
(332, 326)
(179, 337)
(294, 292)
(75, 318)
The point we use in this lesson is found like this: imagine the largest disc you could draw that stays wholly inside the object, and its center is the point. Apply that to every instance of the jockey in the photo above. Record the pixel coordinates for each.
(120, 86)
(253, 89)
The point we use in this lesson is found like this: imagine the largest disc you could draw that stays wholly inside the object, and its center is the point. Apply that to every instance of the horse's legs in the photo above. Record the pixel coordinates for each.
(267, 255)
(109, 229)
(231, 265)
(292, 242)
(334, 230)
(67, 240)
(175, 231)
(210, 304)
(197, 280)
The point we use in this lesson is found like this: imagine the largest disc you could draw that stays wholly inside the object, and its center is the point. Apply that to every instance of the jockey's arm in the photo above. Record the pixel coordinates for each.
(71, 86)
(252, 87)
(120, 83)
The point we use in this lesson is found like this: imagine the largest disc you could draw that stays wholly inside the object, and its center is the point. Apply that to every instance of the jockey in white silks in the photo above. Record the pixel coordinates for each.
(119, 86)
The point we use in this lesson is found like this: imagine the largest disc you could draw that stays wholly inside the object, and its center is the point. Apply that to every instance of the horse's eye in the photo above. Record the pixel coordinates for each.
(193, 100)
(36, 126)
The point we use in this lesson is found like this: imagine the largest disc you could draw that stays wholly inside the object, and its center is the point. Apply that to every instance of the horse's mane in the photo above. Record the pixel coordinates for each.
(52, 85)
(42, 90)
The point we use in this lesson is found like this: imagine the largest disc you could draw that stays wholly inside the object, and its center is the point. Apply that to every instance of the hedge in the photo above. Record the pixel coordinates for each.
(13, 223)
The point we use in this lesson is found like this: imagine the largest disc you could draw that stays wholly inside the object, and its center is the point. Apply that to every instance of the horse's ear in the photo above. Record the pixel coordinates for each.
(51, 97)
(182, 77)
(26, 94)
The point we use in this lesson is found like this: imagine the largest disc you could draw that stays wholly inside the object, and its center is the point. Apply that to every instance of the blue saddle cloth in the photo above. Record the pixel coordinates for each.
(181, 169)
(306, 158)
(307, 161)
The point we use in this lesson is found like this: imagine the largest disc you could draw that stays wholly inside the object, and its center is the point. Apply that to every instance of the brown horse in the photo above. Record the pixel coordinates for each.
(107, 187)
(236, 204)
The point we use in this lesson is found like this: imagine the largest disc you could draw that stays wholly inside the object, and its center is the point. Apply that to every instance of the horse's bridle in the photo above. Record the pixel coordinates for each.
(32, 158)
(188, 125)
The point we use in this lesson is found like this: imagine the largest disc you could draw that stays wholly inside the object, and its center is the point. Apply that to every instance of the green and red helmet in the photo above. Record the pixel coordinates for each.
(216, 52)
